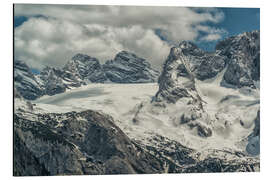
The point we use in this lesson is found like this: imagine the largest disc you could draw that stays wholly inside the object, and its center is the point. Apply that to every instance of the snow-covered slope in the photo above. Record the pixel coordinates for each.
(236, 112)
(114, 99)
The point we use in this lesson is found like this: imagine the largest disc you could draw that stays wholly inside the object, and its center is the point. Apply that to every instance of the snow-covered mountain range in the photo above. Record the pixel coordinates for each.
(202, 115)
(82, 69)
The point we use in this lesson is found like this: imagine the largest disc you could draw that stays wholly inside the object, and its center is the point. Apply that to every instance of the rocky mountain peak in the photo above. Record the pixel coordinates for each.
(50, 71)
(131, 59)
(247, 41)
(52, 81)
(243, 59)
(127, 67)
(20, 65)
(87, 67)
(82, 64)
(83, 58)
(177, 80)
(124, 53)
(189, 48)
(177, 86)
(82, 69)
(239, 54)
(25, 82)
(203, 65)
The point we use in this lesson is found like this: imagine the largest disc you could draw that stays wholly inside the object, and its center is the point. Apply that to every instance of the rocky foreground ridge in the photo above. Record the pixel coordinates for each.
(73, 143)
(89, 142)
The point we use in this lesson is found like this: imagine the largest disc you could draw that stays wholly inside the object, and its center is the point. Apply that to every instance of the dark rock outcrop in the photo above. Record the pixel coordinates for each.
(239, 54)
(187, 160)
(77, 143)
(25, 163)
(253, 146)
(56, 80)
(204, 65)
(51, 81)
(88, 68)
(256, 130)
(177, 81)
(25, 82)
(243, 59)
(215, 165)
(129, 68)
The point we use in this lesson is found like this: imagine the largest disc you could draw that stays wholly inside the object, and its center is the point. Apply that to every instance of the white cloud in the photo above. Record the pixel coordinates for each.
(102, 31)
(37, 43)
(211, 37)
(212, 33)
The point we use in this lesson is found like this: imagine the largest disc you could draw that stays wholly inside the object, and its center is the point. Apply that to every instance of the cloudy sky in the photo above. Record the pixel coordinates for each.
(49, 35)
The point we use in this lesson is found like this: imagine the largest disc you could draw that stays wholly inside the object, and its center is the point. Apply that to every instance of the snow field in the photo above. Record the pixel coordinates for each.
(130, 105)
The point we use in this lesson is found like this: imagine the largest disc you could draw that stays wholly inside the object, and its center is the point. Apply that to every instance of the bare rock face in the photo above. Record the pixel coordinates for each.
(240, 55)
(51, 82)
(68, 78)
(187, 160)
(256, 131)
(75, 73)
(177, 81)
(214, 164)
(24, 162)
(204, 65)
(253, 146)
(129, 68)
(87, 67)
(76, 143)
(243, 59)
(177, 84)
